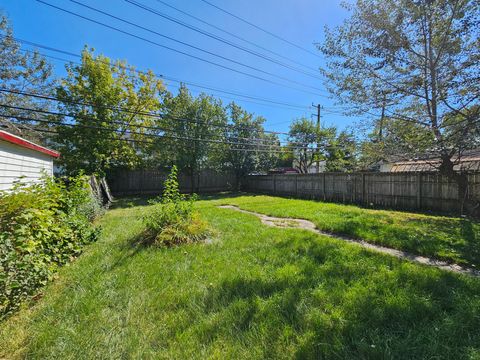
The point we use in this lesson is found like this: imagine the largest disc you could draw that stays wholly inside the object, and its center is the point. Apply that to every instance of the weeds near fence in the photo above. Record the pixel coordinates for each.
(173, 220)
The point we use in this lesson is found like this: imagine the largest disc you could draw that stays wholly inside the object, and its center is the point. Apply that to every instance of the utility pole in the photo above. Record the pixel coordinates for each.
(384, 103)
(319, 108)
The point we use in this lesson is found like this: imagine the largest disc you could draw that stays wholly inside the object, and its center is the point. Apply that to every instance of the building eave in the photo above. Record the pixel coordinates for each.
(13, 139)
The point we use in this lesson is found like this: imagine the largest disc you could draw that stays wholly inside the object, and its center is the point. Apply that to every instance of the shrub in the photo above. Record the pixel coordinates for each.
(173, 219)
(42, 227)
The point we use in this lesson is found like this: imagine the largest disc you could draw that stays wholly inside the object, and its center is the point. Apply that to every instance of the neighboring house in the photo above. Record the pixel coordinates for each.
(23, 160)
(283, 170)
(469, 161)
(314, 168)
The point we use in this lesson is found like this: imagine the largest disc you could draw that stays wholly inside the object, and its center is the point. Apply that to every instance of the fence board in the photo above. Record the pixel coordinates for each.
(410, 190)
(138, 182)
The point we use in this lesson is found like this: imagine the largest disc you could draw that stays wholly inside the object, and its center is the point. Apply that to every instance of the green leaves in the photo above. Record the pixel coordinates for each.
(171, 191)
(245, 131)
(310, 141)
(415, 64)
(42, 227)
(22, 71)
(173, 221)
(109, 103)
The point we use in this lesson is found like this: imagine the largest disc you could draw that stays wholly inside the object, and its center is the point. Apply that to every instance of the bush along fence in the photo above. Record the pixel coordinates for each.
(138, 182)
(413, 190)
(42, 226)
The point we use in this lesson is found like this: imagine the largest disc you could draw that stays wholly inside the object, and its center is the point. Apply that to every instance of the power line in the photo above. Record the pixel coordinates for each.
(234, 35)
(289, 147)
(148, 114)
(165, 77)
(261, 29)
(124, 132)
(393, 114)
(265, 102)
(81, 116)
(185, 43)
(151, 135)
(215, 37)
(179, 51)
(154, 143)
(239, 99)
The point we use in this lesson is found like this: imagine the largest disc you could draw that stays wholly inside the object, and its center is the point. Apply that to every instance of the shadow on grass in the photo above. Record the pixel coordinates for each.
(224, 195)
(143, 200)
(344, 303)
(129, 249)
(130, 202)
(454, 240)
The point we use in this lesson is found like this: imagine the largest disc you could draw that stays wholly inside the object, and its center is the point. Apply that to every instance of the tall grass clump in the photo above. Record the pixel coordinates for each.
(42, 227)
(172, 220)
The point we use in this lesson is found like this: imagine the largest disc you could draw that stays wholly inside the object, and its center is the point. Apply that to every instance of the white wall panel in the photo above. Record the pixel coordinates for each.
(20, 164)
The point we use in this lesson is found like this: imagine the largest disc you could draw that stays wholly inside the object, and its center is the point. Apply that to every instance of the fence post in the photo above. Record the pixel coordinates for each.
(364, 195)
(354, 188)
(296, 185)
(324, 188)
(274, 184)
(419, 190)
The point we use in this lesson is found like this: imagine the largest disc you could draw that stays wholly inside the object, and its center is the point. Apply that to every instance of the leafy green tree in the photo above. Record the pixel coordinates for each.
(26, 72)
(286, 157)
(272, 155)
(455, 131)
(107, 102)
(309, 142)
(303, 135)
(393, 139)
(419, 62)
(193, 131)
(247, 146)
(342, 153)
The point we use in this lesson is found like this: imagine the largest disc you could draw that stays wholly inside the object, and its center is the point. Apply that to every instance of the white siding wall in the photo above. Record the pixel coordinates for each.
(17, 161)
(386, 167)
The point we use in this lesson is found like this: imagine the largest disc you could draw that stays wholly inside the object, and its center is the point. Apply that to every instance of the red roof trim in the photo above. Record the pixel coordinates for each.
(27, 144)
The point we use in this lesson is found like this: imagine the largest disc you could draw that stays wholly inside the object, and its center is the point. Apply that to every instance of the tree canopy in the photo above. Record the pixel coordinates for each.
(108, 103)
(248, 148)
(419, 61)
(310, 143)
(26, 72)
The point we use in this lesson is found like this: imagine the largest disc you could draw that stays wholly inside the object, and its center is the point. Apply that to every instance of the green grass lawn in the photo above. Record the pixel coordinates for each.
(254, 292)
(452, 239)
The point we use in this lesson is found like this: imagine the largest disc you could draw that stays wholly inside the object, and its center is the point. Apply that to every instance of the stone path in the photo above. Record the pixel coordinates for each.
(308, 225)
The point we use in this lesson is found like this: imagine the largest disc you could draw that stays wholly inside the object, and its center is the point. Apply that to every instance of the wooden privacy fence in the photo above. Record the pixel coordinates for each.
(413, 190)
(137, 182)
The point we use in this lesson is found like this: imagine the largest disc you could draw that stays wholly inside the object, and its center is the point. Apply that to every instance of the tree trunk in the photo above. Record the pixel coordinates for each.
(238, 184)
(192, 180)
(466, 206)
(238, 181)
(197, 187)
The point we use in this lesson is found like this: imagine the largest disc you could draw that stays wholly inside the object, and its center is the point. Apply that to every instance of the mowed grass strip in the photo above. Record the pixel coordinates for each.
(254, 292)
(453, 239)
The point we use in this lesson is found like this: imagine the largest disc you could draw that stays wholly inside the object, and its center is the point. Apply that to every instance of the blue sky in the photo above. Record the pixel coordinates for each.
(300, 21)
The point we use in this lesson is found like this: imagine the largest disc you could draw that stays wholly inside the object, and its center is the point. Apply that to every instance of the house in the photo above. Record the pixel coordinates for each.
(283, 170)
(23, 160)
(314, 168)
(469, 161)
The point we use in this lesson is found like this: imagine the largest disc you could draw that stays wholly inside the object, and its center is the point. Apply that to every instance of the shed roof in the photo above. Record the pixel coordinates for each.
(13, 139)
(469, 161)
